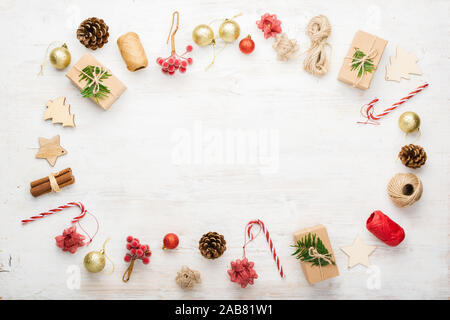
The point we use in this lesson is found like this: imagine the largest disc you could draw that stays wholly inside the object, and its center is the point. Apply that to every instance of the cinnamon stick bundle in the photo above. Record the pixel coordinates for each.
(43, 186)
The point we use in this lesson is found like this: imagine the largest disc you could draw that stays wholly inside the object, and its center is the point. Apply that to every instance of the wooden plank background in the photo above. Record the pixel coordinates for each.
(328, 169)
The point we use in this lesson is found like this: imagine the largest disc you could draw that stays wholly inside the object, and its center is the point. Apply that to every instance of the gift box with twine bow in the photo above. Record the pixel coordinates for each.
(95, 81)
(362, 60)
(313, 249)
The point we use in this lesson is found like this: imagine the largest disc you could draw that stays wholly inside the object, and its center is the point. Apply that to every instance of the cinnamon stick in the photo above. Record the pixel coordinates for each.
(42, 186)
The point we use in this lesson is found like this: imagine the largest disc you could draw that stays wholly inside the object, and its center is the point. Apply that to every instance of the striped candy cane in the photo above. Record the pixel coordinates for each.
(367, 110)
(60, 208)
(251, 236)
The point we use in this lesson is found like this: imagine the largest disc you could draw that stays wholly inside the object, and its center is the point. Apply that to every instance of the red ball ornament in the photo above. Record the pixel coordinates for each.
(247, 45)
(170, 241)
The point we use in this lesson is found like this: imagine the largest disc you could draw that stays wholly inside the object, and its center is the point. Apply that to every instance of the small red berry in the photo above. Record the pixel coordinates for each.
(171, 61)
(160, 61)
(145, 261)
(171, 69)
(134, 243)
(129, 238)
(127, 258)
(148, 253)
(177, 63)
(133, 251)
(165, 64)
(128, 246)
(182, 70)
(139, 252)
(189, 48)
(183, 64)
(189, 60)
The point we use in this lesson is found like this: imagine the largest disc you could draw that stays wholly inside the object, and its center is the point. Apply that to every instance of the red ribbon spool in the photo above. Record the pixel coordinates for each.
(385, 229)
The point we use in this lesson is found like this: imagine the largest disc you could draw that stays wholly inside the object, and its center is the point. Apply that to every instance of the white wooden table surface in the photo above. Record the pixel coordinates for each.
(325, 168)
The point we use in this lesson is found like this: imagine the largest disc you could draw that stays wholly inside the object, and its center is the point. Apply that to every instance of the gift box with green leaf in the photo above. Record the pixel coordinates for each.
(362, 60)
(95, 81)
(313, 248)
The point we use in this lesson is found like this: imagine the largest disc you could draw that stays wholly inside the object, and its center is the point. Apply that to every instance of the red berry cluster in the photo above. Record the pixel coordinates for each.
(175, 62)
(137, 251)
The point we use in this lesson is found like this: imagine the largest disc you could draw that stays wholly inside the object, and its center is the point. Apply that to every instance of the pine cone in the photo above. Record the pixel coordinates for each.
(93, 33)
(413, 156)
(212, 245)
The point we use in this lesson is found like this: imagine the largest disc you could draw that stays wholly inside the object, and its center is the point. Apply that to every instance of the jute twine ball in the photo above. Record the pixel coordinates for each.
(404, 189)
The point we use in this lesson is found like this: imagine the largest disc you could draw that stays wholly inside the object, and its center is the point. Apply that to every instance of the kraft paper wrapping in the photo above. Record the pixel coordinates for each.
(365, 42)
(132, 51)
(313, 274)
(113, 83)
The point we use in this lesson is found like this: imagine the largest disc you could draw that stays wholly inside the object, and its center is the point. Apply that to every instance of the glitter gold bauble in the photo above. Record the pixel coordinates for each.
(94, 261)
(60, 57)
(229, 31)
(409, 121)
(203, 35)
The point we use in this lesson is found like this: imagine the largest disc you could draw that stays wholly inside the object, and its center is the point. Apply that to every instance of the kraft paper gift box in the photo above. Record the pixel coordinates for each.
(317, 273)
(373, 47)
(115, 86)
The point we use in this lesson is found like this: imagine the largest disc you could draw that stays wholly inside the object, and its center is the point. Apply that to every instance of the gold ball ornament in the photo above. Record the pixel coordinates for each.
(95, 261)
(203, 35)
(60, 57)
(409, 121)
(229, 31)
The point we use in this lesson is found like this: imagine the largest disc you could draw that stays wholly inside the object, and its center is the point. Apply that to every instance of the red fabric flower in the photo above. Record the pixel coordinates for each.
(270, 25)
(242, 272)
(70, 240)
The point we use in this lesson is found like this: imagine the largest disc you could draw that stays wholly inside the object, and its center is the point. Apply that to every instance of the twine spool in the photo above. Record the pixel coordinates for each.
(132, 51)
(404, 189)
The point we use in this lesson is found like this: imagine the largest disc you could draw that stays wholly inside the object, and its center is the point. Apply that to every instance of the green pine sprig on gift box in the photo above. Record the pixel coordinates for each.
(358, 59)
(319, 256)
(94, 77)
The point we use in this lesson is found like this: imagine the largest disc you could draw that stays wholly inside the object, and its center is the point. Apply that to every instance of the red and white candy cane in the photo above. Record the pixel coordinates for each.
(367, 110)
(251, 236)
(60, 208)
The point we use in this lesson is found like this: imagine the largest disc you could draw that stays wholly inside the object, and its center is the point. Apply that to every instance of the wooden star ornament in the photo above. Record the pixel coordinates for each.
(402, 65)
(50, 149)
(358, 253)
(59, 112)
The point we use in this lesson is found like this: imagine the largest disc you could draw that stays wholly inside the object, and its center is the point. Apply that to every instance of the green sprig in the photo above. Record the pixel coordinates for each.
(88, 90)
(308, 241)
(367, 67)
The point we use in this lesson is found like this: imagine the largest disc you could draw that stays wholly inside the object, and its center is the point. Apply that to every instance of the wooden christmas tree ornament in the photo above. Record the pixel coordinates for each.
(50, 149)
(358, 253)
(402, 65)
(59, 112)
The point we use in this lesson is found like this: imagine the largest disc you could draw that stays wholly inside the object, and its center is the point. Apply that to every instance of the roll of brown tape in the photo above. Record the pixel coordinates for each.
(132, 51)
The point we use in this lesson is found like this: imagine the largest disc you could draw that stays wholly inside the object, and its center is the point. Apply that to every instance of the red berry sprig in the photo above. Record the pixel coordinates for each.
(175, 62)
(137, 251)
